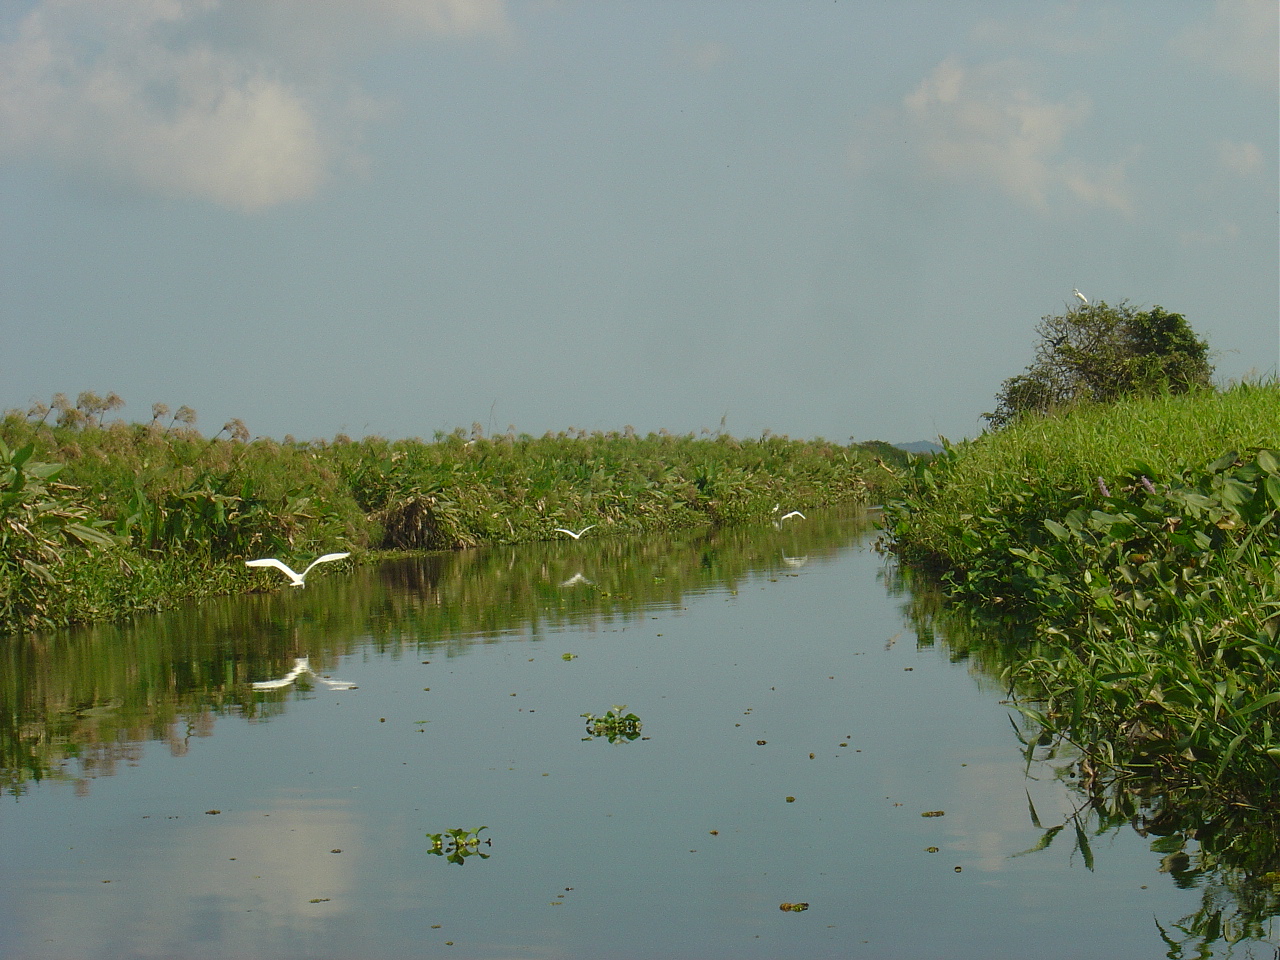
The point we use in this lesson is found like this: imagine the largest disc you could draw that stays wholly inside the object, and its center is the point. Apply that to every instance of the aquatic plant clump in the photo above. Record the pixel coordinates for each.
(614, 725)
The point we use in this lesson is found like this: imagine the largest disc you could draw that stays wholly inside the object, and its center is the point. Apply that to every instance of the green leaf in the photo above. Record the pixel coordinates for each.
(1259, 703)
(1174, 843)
(1082, 844)
(1273, 490)
(1043, 842)
(1035, 820)
(1057, 529)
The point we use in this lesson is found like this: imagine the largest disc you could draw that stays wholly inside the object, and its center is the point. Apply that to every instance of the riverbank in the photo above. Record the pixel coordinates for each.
(1132, 548)
(100, 522)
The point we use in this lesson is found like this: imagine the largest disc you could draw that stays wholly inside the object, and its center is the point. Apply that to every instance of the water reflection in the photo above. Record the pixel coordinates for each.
(795, 745)
(1228, 852)
(77, 705)
(301, 672)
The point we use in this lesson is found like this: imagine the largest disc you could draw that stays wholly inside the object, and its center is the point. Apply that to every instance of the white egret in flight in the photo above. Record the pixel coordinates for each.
(777, 524)
(297, 579)
(1083, 298)
(577, 535)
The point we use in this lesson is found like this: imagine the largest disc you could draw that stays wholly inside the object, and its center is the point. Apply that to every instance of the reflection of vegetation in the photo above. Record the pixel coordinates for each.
(76, 704)
(614, 725)
(458, 844)
(1227, 849)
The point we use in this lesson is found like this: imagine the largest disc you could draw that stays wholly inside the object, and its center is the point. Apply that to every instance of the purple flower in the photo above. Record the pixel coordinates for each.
(1102, 488)
(1148, 485)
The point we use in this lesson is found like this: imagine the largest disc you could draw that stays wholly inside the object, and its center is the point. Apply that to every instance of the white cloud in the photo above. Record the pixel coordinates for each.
(985, 124)
(1243, 159)
(1223, 232)
(1237, 38)
(1069, 29)
(201, 98)
(702, 57)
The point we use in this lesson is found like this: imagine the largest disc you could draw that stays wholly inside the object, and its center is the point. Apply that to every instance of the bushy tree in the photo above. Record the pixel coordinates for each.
(1100, 353)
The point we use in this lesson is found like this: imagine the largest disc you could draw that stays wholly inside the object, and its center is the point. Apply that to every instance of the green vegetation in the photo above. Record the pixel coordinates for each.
(458, 844)
(1133, 547)
(147, 515)
(614, 725)
(1098, 353)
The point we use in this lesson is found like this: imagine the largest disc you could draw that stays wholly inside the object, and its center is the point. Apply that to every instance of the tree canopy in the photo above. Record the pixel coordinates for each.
(1101, 353)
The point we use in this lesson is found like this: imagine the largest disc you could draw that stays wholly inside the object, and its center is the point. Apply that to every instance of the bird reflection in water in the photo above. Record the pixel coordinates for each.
(302, 666)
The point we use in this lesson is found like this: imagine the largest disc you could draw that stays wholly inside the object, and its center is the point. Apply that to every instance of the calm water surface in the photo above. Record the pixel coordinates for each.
(794, 733)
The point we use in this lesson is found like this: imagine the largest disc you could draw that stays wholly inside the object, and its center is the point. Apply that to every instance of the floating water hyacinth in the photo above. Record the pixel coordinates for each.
(1102, 488)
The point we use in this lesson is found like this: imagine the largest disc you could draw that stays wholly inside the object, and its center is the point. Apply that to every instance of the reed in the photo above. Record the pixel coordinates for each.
(180, 512)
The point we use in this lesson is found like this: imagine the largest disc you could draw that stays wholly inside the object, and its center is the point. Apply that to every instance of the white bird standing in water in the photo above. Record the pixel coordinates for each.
(1083, 298)
(576, 536)
(301, 665)
(297, 579)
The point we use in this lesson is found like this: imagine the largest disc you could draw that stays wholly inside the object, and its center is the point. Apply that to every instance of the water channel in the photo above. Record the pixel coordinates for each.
(799, 743)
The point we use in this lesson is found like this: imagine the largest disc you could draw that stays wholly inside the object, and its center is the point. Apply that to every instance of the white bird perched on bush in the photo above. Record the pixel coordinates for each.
(1083, 298)
(297, 579)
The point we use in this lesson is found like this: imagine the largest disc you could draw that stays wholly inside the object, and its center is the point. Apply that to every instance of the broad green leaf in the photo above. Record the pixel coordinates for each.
(1057, 529)
(1273, 490)
(1174, 843)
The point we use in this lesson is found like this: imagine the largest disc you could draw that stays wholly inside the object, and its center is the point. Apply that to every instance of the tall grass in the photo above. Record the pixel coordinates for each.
(1042, 466)
(184, 511)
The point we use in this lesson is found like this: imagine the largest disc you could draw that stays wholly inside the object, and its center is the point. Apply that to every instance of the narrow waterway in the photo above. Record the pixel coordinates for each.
(797, 744)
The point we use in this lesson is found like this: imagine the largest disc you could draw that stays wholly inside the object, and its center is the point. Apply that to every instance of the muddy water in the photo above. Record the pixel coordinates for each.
(798, 744)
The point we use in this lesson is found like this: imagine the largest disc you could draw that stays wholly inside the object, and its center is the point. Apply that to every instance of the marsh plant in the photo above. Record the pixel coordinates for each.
(41, 522)
(614, 725)
(187, 510)
(1145, 575)
(458, 845)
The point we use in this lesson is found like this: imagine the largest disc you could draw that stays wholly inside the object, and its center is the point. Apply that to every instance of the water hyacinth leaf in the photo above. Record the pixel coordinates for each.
(1174, 843)
(1273, 490)
(1235, 493)
(1057, 529)
(1224, 462)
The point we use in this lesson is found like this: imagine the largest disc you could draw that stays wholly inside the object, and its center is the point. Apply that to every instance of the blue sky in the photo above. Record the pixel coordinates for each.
(838, 219)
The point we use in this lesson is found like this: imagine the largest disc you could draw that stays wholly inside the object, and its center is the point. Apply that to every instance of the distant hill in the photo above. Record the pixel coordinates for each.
(898, 454)
(920, 446)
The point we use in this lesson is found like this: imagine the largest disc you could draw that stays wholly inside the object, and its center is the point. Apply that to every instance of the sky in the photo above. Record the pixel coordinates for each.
(837, 219)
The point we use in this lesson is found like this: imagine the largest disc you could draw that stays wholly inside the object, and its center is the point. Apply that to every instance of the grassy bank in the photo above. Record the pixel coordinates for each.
(1133, 546)
(99, 521)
